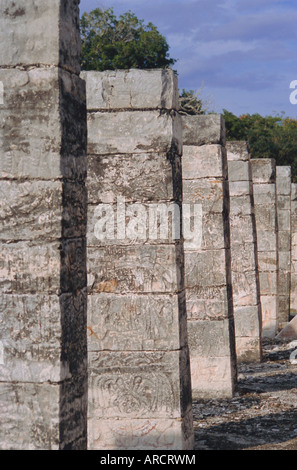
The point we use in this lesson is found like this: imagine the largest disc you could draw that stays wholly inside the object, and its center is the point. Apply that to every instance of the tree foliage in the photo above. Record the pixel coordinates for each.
(110, 43)
(268, 137)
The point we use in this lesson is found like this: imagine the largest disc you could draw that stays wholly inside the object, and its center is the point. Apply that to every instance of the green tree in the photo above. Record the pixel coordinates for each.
(268, 137)
(110, 43)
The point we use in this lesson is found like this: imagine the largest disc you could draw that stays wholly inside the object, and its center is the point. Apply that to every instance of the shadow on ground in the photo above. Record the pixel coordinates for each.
(263, 413)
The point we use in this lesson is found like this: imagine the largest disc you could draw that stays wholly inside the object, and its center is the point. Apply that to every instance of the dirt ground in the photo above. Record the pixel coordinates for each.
(263, 413)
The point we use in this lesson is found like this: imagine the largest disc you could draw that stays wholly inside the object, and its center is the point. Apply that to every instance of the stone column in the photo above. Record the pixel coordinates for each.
(43, 347)
(139, 373)
(244, 258)
(283, 193)
(263, 174)
(208, 264)
(293, 277)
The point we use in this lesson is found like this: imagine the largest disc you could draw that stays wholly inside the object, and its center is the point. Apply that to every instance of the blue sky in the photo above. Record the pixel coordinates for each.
(241, 53)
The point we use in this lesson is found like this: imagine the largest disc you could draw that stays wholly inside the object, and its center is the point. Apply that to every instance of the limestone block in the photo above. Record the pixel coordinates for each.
(45, 210)
(283, 202)
(29, 416)
(266, 217)
(284, 241)
(212, 377)
(31, 333)
(139, 223)
(244, 288)
(264, 193)
(131, 89)
(204, 162)
(238, 150)
(268, 283)
(284, 220)
(30, 267)
(239, 188)
(209, 338)
(248, 349)
(269, 304)
(202, 130)
(243, 258)
(205, 268)
(33, 40)
(141, 434)
(136, 177)
(43, 124)
(124, 132)
(242, 229)
(266, 240)
(143, 268)
(238, 170)
(139, 384)
(263, 170)
(134, 322)
(247, 321)
(207, 303)
(283, 180)
(268, 260)
(207, 191)
(36, 417)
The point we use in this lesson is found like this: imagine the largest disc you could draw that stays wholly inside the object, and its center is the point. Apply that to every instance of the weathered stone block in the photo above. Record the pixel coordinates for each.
(239, 188)
(137, 177)
(268, 261)
(204, 162)
(138, 384)
(209, 338)
(141, 434)
(212, 377)
(205, 268)
(133, 322)
(266, 240)
(244, 288)
(43, 124)
(33, 40)
(134, 132)
(248, 349)
(131, 89)
(247, 321)
(269, 304)
(29, 416)
(44, 416)
(268, 283)
(143, 268)
(263, 170)
(207, 303)
(202, 130)
(264, 193)
(284, 220)
(242, 227)
(238, 170)
(238, 150)
(283, 180)
(45, 210)
(29, 267)
(207, 191)
(266, 217)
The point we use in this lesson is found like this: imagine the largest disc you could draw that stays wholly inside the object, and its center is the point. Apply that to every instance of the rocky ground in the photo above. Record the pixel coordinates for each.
(263, 413)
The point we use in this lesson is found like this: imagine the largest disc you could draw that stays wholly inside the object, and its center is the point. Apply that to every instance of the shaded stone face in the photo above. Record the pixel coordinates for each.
(54, 33)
